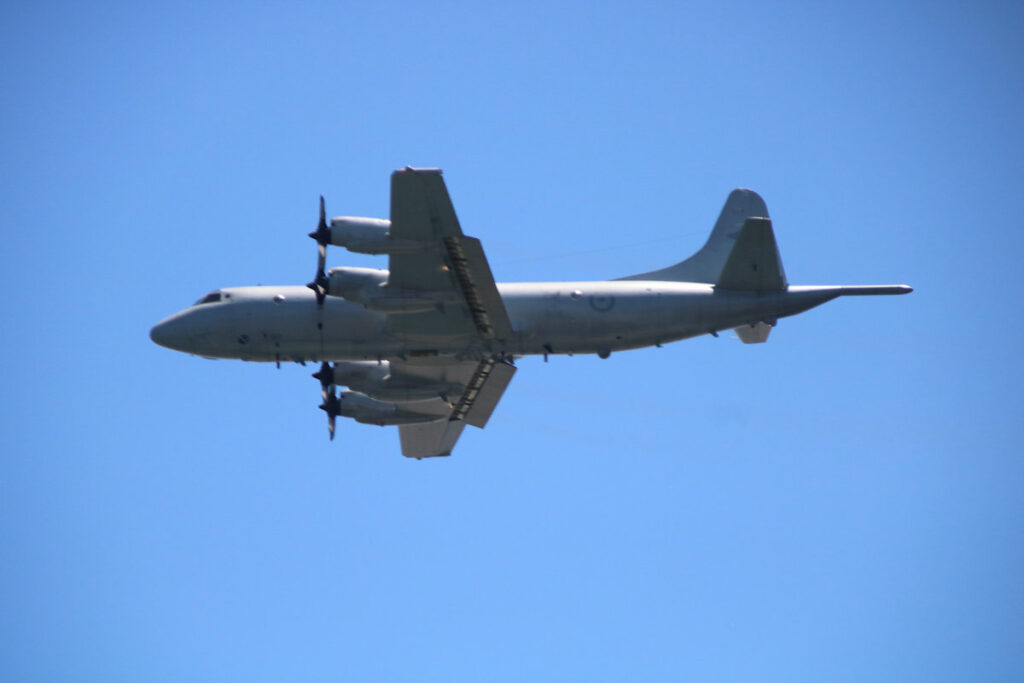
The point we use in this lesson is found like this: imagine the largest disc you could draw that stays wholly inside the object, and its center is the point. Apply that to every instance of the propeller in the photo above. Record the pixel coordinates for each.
(331, 403)
(322, 235)
(331, 406)
(326, 376)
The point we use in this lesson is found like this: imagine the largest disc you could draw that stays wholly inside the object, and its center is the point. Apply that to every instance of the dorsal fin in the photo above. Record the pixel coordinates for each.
(706, 265)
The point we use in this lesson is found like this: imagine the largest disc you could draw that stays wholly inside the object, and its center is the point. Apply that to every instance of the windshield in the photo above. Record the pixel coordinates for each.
(210, 298)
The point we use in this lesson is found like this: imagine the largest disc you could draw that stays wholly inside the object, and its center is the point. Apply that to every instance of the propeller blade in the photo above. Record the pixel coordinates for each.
(331, 406)
(331, 403)
(320, 289)
(322, 235)
(326, 376)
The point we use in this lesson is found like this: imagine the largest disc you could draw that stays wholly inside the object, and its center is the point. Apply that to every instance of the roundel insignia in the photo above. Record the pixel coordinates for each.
(602, 303)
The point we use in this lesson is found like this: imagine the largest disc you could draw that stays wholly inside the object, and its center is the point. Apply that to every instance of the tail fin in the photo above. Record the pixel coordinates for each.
(753, 264)
(707, 265)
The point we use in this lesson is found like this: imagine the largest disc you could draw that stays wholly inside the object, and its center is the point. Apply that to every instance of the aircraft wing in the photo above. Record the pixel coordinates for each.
(450, 266)
(482, 385)
(430, 439)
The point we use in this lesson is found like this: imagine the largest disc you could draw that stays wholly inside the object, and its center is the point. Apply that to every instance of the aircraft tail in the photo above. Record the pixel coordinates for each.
(733, 240)
(753, 264)
(741, 256)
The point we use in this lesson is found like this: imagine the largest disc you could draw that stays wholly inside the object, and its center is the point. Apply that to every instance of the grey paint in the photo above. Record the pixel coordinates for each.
(569, 317)
(735, 281)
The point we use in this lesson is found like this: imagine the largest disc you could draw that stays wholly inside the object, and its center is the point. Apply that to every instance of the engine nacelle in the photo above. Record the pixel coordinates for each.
(358, 373)
(358, 285)
(368, 236)
(362, 408)
(376, 381)
(368, 287)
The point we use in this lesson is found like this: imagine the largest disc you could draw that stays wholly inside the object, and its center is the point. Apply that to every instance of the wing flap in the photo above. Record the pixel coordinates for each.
(483, 391)
(473, 274)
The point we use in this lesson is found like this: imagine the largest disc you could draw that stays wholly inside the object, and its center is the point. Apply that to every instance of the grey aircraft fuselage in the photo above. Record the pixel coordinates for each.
(430, 343)
(271, 324)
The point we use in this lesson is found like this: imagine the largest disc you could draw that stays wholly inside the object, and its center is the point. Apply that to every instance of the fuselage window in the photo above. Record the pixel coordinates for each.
(210, 298)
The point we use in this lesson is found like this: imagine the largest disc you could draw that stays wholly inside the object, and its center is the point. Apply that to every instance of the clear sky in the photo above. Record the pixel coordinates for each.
(843, 503)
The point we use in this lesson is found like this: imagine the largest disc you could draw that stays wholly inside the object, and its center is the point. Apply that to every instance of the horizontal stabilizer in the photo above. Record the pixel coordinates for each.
(753, 334)
(753, 264)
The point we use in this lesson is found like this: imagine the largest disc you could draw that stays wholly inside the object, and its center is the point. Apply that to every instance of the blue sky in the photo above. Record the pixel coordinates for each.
(842, 503)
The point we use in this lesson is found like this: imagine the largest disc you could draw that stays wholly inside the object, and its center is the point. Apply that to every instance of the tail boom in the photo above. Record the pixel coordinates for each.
(874, 290)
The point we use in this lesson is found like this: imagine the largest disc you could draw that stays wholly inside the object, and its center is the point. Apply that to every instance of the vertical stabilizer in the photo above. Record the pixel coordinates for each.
(707, 264)
(753, 264)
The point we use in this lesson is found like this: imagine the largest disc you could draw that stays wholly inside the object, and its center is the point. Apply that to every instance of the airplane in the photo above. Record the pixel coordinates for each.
(430, 343)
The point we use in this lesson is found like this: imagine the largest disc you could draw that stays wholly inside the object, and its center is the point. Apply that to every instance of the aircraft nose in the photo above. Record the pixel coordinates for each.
(169, 333)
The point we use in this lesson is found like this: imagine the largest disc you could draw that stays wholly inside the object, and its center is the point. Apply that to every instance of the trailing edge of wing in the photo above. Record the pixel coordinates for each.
(473, 274)
(483, 391)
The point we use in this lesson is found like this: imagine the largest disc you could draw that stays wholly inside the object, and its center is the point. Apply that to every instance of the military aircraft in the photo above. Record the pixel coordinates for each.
(430, 344)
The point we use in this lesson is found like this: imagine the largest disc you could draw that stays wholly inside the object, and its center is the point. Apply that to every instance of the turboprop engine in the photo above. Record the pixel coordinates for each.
(368, 236)
(362, 408)
(358, 285)
(368, 287)
(353, 403)
(377, 381)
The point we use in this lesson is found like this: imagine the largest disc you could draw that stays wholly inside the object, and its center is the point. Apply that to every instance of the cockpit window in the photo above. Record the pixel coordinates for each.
(210, 298)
